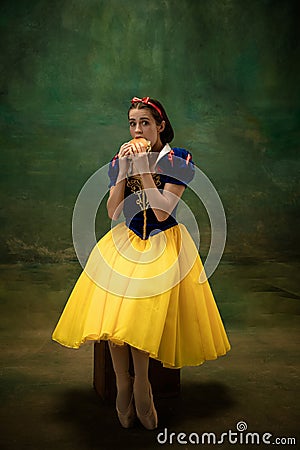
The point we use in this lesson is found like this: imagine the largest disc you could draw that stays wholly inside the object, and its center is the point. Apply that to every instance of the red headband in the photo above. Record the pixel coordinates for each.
(146, 101)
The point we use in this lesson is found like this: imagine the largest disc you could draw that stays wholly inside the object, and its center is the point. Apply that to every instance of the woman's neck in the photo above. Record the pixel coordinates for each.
(158, 146)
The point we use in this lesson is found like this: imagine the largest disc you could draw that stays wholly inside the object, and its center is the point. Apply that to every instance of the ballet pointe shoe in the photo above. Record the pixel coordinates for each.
(127, 418)
(148, 420)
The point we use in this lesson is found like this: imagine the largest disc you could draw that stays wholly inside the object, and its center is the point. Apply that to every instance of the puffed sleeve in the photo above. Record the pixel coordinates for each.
(177, 167)
(113, 171)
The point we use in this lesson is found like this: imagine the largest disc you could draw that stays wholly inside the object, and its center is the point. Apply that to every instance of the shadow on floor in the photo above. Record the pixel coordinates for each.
(197, 401)
(97, 425)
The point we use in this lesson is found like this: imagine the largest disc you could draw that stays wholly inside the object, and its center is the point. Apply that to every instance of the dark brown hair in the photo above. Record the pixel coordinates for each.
(167, 135)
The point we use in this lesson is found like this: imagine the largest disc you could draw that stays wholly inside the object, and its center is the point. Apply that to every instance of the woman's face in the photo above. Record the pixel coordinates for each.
(142, 124)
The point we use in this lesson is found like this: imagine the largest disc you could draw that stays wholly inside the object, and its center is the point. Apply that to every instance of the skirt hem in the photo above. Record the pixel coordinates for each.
(152, 355)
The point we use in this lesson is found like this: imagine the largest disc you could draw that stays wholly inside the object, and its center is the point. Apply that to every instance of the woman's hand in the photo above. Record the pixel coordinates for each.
(124, 160)
(139, 157)
(125, 150)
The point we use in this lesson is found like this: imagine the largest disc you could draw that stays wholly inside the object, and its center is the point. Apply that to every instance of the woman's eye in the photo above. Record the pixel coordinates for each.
(145, 122)
(131, 124)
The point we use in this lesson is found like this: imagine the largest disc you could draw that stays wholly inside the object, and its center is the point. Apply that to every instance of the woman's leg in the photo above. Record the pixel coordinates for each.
(142, 389)
(141, 380)
(120, 360)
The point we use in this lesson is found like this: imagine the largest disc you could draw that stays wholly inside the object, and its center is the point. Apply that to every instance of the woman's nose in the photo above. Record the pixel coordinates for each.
(137, 128)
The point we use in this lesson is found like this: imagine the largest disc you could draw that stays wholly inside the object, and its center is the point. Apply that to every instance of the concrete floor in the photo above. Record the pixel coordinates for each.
(48, 401)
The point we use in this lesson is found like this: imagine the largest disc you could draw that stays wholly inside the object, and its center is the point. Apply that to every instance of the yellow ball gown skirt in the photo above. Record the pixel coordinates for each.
(146, 293)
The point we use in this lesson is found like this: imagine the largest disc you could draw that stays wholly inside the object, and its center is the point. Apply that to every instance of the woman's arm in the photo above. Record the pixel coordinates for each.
(162, 203)
(116, 196)
(115, 200)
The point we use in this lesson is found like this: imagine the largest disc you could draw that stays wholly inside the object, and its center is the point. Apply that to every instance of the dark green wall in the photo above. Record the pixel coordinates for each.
(227, 72)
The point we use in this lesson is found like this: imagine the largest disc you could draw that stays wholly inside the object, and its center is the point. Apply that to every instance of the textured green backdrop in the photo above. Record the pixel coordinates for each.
(227, 72)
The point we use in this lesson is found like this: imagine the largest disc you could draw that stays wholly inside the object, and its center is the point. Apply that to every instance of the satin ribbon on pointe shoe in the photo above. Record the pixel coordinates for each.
(148, 420)
(127, 418)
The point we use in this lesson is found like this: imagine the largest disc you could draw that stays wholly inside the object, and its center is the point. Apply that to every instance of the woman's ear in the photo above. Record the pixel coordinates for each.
(161, 126)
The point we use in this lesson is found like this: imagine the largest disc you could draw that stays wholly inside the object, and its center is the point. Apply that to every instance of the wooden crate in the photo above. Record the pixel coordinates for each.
(165, 382)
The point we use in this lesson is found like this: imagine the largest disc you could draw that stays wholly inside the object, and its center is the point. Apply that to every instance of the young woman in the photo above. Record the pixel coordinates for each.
(140, 289)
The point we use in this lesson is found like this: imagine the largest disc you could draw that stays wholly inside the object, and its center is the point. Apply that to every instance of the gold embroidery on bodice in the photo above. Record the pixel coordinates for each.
(134, 182)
